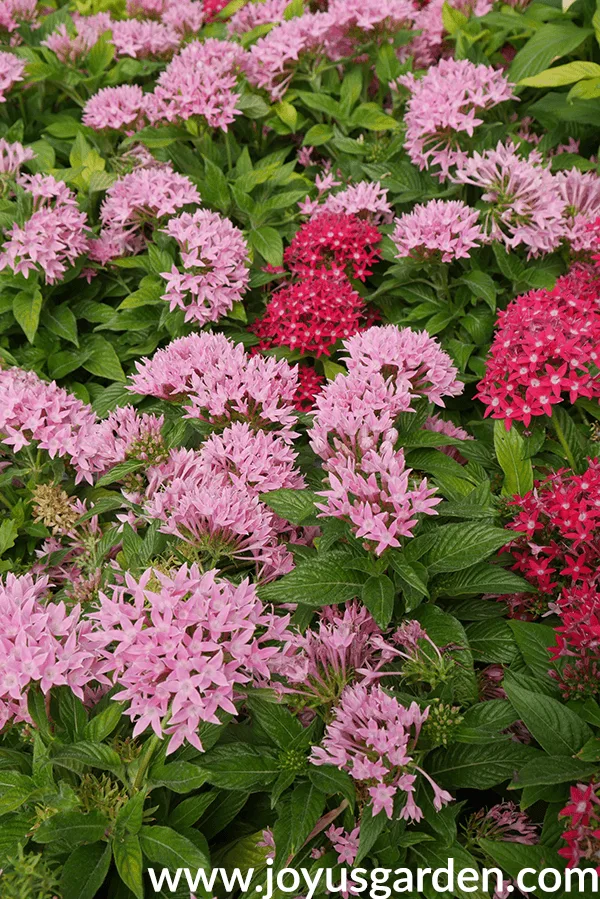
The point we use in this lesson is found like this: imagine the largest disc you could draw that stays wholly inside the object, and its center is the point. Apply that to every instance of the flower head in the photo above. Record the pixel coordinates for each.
(439, 229)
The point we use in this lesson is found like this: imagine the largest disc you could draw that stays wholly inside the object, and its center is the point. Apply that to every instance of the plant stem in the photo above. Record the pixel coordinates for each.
(146, 757)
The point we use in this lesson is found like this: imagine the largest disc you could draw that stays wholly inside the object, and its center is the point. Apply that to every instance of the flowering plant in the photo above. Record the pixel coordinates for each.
(299, 470)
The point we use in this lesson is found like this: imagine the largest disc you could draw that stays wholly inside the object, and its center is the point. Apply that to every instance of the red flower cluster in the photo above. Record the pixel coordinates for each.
(583, 836)
(339, 244)
(310, 383)
(560, 544)
(547, 344)
(312, 315)
(578, 640)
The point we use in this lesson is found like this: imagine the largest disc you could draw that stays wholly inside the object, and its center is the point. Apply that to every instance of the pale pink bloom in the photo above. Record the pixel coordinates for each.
(524, 204)
(33, 411)
(441, 426)
(405, 357)
(12, 156)
(445, 104)
(52, 238)
(373, 737)
(222, 383)
(257, 460)
(365, 199)
(376, 496)
(201, 80)
(14, 13)
(151, 9)
(581, 193)
(11, 71)
(214, 258)
(72, 48)
(273, 59)
(357, 22)
(427, 48)
(344, 843)
(185, 648)
(137, 200)
(252, 15)
(184, 16)
(438, 230)
(121, 108)
(145, 39)
(319, 663)
(41, 642)
(127, 434)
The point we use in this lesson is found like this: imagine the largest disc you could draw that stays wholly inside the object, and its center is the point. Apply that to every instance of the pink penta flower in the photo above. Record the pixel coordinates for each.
(440, 230)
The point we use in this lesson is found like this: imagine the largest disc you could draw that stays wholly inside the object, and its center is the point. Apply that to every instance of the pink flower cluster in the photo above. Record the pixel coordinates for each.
(41, 643)
(438, 230)
(138, 202)
(199, 82)
(118, 108)
(221, 382)
(374, 737)
(12, 157)
(145, 39)
(73, 48)
(366, 200)
(446, 103)
(547, 344)
(214, 258)
(33, 411)
(252, 15)
(14, 13)
(354, 431)
(524, 205)
(182, 647)
(52, 238)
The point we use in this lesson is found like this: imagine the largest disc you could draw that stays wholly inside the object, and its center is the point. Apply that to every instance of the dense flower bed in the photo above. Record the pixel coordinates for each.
(299, 423)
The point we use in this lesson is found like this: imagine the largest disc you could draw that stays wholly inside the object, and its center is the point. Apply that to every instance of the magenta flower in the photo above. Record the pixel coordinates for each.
(214, 258)
(439, 229)
(181, 648)
(373, 737)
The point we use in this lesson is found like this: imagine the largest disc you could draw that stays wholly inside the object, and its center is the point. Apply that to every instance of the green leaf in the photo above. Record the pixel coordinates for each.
(96, 755)
(484, 577)
(460, 546)
(548, 43)
(453, 19)
(188, 812)
(331, 781)
(102, 725)
(534, 641)
(165, 846)
(240, 767)
(131, 815)
(72, 828)
(100, 56)
(388, 67)
(317, 135)
(378, 596)
(296, 506)
(511, 454)
(591, 751)
(317, 582)
(85, 871)
(478, 767)
(215, 191)
(61, 321)
(275, 719)
(180, 777)
(492, 641)
(556, 728)
(27, 306)
(307, 805)
(127, 852)
(561, 75)
(371, 117)
(481, 285)
(102, 359)
(371, 827)
(267, 241)
(548, 770)
(294, 8)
